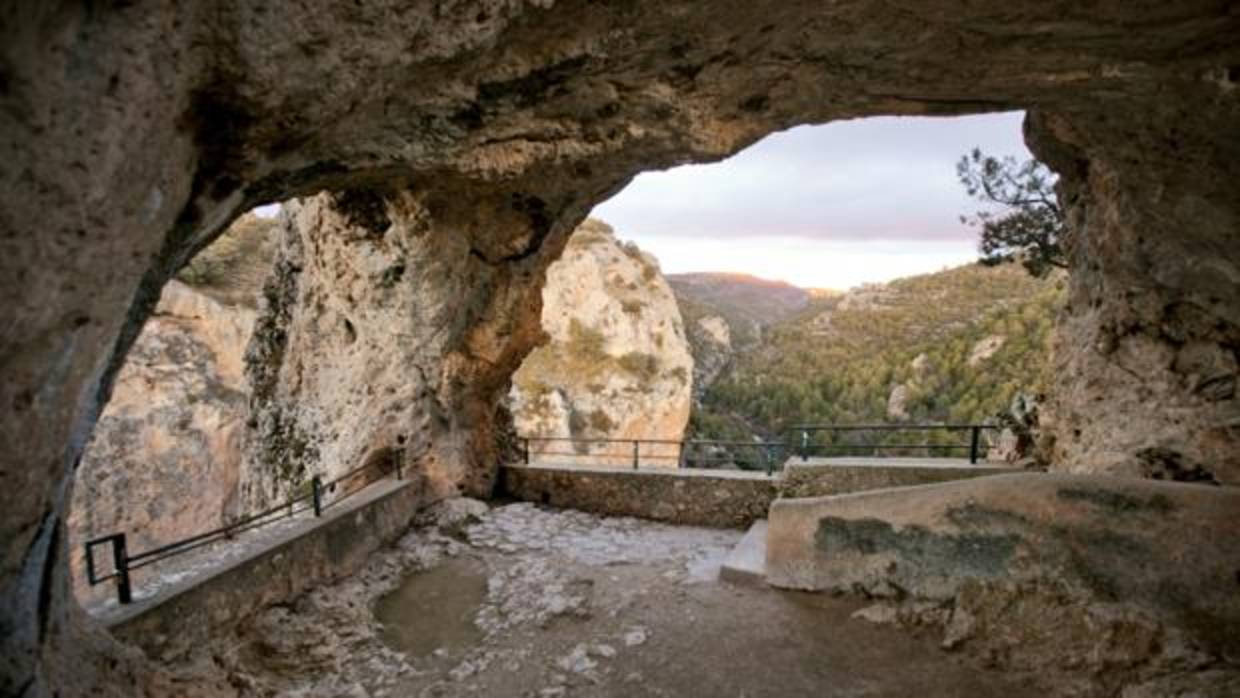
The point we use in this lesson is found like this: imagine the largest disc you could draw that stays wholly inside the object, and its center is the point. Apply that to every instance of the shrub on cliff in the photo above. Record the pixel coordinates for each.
(1026, 222)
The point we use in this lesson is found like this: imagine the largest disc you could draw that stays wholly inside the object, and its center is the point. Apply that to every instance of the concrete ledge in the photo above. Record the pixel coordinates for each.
(746, 564)
(718, 498)
(820, 477)
(170, 623)
(1168, 550)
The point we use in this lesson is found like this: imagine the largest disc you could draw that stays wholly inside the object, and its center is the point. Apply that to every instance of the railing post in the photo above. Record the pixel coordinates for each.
(635, 447)
(974, 438)
(316, 493)
(766, 456)
(680, 457)
(804, 445)
(120, 560)
(525, 450)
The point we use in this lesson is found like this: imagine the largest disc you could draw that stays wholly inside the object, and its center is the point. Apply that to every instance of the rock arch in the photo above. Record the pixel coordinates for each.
(133, 133)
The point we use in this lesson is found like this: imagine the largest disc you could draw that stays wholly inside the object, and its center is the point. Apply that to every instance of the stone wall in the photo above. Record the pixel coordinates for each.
(723, 499)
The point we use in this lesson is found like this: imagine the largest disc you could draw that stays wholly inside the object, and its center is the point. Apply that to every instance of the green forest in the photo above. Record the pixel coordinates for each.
(838, 360)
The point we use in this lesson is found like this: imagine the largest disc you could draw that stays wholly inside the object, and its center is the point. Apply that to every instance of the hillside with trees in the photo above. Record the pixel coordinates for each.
(952, 346)
(746, 302)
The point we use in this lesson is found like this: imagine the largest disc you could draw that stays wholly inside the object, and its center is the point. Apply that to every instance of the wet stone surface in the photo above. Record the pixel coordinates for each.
(434, 610)
(522, 601)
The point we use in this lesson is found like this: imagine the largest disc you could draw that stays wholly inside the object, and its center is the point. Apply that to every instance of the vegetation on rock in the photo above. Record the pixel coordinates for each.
(232, 268)
(1028, 224)
(952, 346)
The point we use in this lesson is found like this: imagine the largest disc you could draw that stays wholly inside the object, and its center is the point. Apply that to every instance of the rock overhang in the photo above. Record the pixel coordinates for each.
(564, 102)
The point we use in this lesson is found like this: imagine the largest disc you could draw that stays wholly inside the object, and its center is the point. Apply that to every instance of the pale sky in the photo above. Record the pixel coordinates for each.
(819, 206)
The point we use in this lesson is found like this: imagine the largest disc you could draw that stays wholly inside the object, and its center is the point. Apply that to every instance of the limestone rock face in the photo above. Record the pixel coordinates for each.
(133, 135)
(711, 342)
(383, 340)
(985, 348)
(1147, 352)
(165, 459)
(617, 365)
(897, 403)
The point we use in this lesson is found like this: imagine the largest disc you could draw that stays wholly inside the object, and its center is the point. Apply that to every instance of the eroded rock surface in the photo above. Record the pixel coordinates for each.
(1146, 353)
(165, 461)
(134, 133)
(617, 365)
(387, 337)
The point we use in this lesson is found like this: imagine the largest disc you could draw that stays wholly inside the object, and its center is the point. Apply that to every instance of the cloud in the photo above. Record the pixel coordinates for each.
(878, 179)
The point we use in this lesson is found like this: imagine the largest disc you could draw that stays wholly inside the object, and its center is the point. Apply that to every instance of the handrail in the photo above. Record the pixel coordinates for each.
(890, 427)
(124, 563)
(668, 442)
(973, 447)
(684, 448)
(602, 441)
(805, 446)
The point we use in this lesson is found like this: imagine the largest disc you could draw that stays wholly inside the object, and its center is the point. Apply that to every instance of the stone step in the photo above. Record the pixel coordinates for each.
(746, 564)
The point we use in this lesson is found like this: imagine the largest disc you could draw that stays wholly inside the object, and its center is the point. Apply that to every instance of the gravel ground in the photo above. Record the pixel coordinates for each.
(523, 601)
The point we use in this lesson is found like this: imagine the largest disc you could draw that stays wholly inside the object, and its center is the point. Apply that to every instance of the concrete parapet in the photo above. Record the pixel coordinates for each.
(1033, 558)
(167, 625)
(820, 477)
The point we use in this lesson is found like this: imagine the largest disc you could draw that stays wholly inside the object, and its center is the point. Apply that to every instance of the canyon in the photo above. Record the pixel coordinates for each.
(187, 444)
(457, 146)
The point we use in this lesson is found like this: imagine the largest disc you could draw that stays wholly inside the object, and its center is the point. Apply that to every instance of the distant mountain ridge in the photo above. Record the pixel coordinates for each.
(954, 345)
(748, 303)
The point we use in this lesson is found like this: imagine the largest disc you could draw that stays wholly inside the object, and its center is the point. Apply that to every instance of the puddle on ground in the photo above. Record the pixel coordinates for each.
(434, 609)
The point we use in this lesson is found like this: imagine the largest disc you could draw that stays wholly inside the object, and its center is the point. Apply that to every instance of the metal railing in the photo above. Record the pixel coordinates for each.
(316, 499)
(701, 454)
(875, 439)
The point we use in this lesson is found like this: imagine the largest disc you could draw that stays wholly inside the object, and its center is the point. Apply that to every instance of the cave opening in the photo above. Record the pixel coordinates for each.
(166, 460)
(494, 132)
(825, 275)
